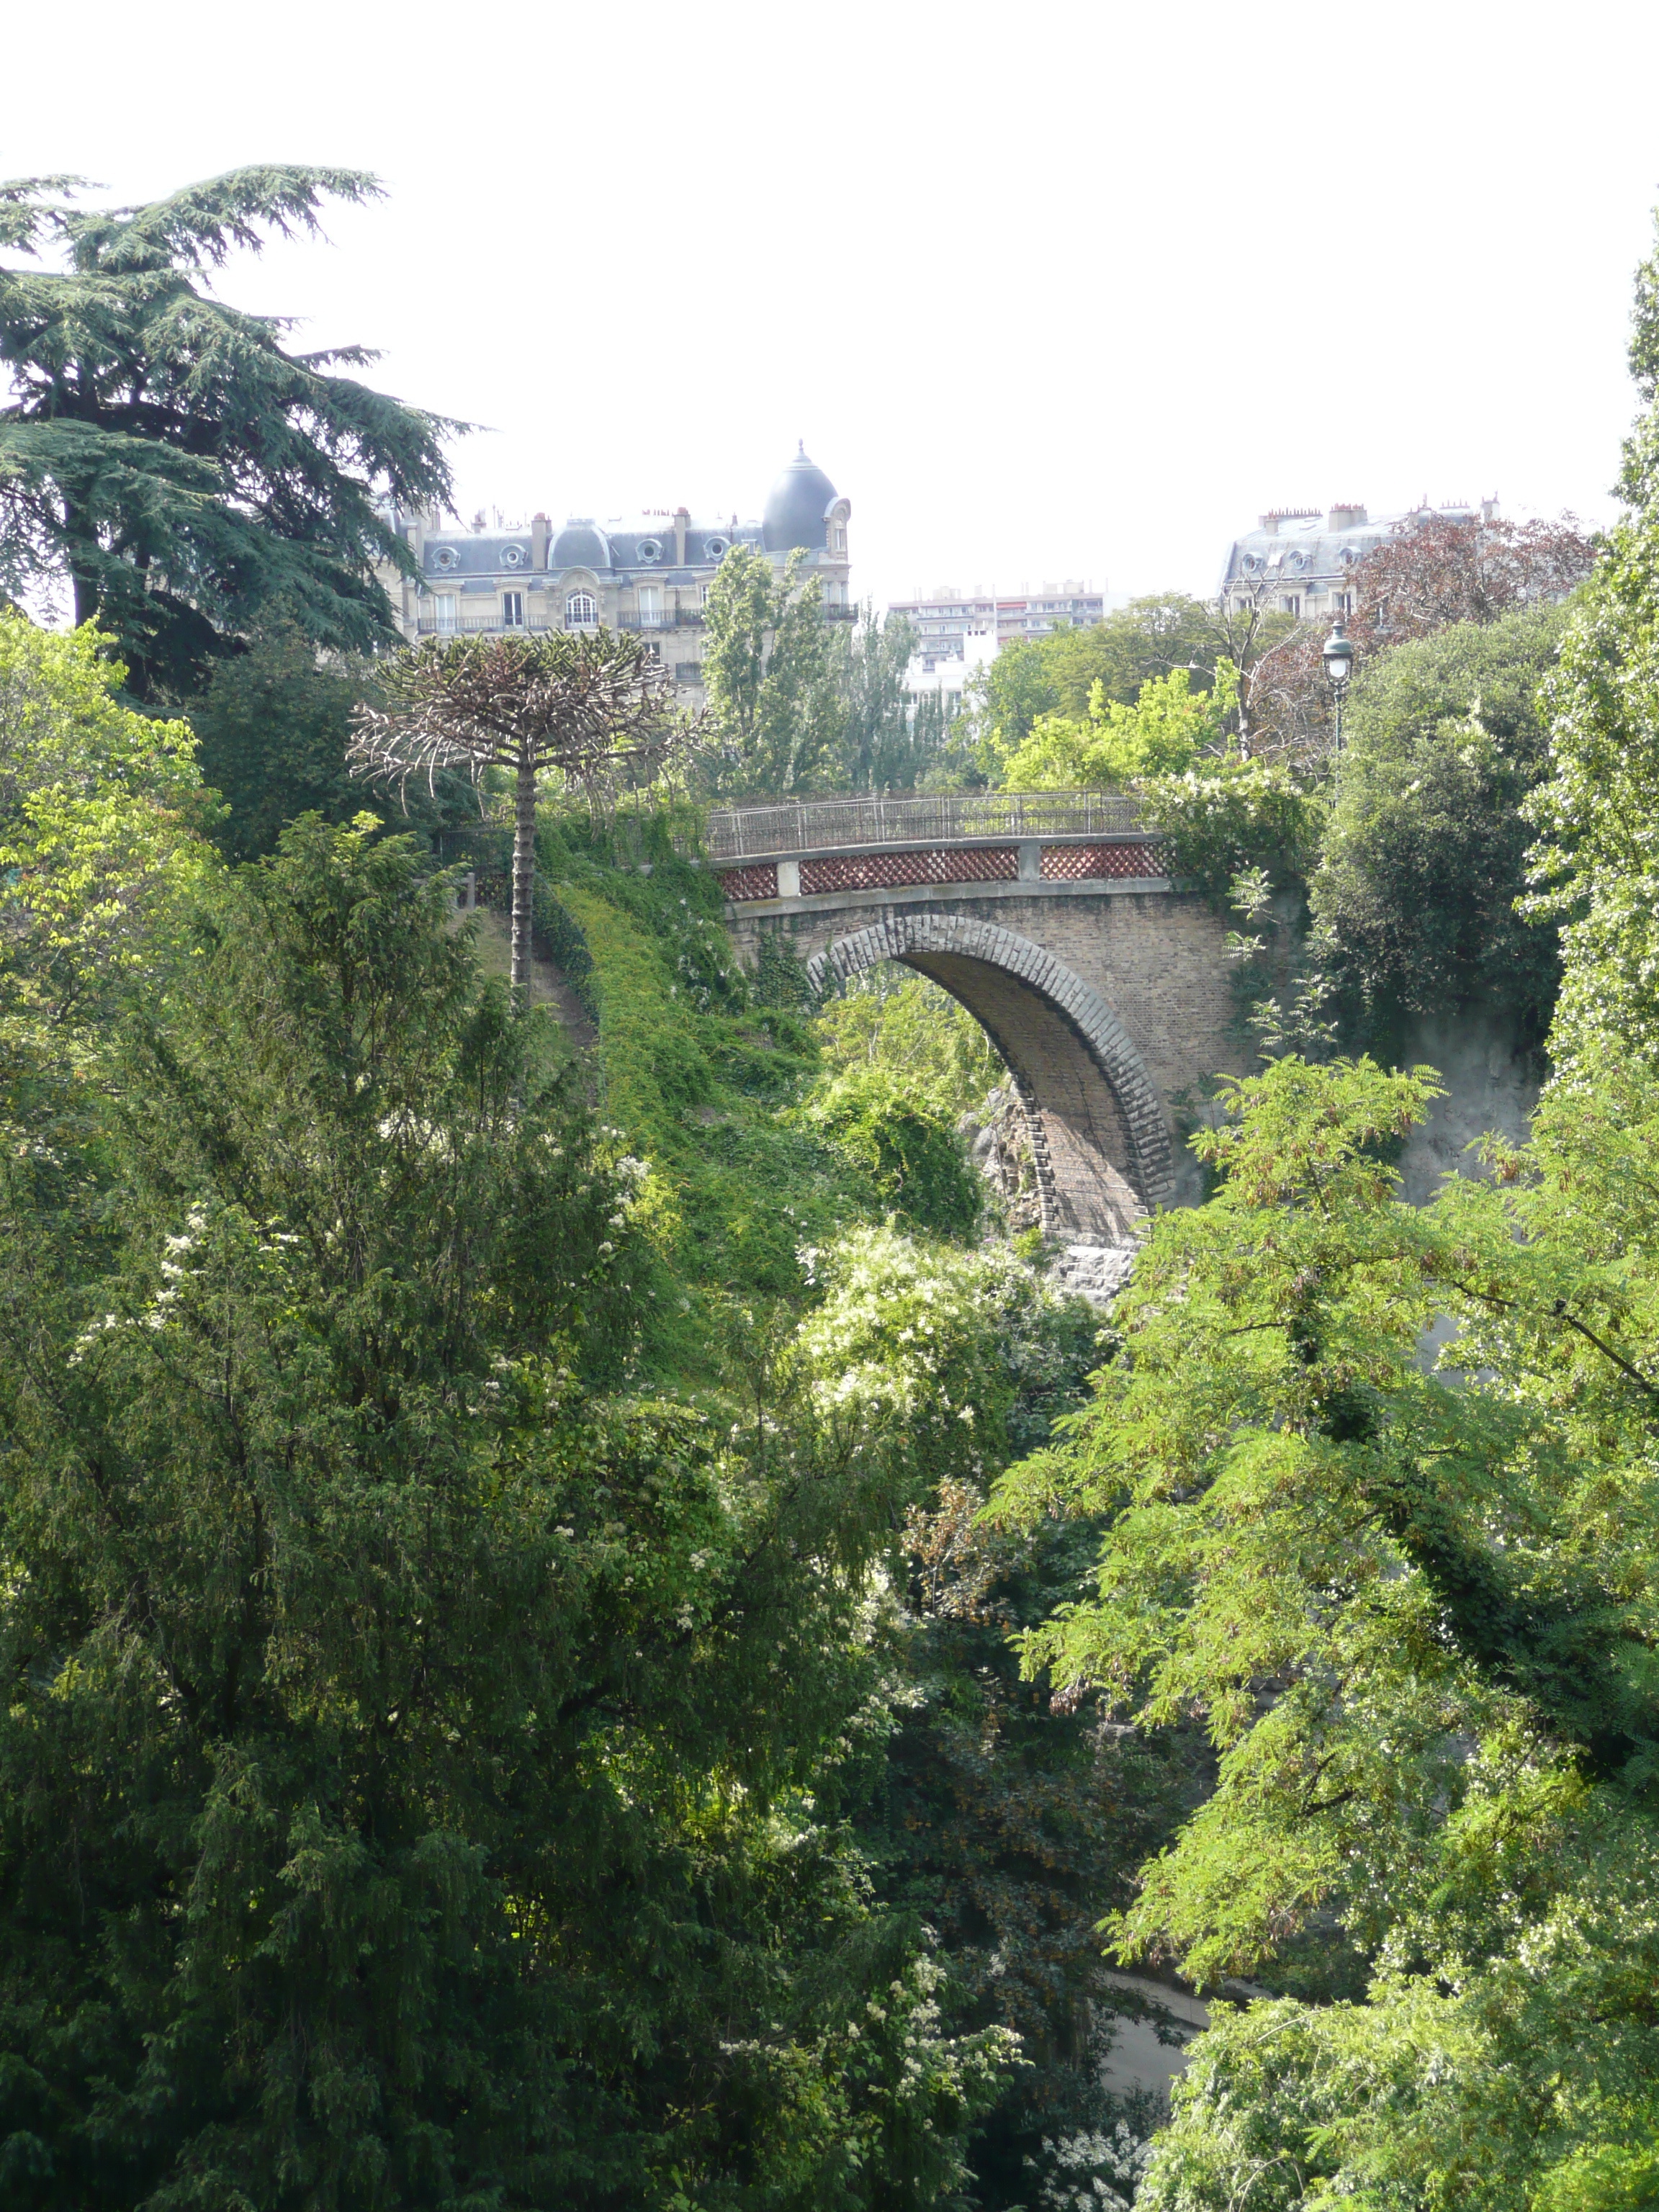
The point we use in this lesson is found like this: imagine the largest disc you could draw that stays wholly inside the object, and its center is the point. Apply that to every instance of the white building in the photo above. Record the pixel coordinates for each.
(649, 573)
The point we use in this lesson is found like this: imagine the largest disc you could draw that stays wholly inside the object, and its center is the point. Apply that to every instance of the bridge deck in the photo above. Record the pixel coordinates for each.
(844, 849)
(838, 825)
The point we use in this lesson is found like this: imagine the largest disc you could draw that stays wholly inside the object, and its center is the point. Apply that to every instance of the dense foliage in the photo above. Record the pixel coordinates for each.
(580, 1627)
(272, 725)
(99, 808)
(438, 1739)
(1418, 1611)
(1423, 861)
(1152, 638)
(1164, 729)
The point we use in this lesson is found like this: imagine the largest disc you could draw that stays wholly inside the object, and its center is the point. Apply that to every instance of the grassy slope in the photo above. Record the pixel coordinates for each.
(693, 1074)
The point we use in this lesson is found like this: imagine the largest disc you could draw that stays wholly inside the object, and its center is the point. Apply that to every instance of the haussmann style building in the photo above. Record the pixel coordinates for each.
(649, 573)
(1300, 560)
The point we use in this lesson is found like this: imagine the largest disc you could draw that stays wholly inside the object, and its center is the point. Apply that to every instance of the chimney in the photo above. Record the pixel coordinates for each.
(1351, 516)
(681, 518)
(540, 529)
(1489, 509)
(1270, 524)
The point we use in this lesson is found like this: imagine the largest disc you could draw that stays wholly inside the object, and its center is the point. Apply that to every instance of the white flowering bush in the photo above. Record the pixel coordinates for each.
(1091, 2171)
(925, 1347)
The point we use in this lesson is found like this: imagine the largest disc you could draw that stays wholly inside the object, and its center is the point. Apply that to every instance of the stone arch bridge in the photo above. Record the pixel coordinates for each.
(1104, 988)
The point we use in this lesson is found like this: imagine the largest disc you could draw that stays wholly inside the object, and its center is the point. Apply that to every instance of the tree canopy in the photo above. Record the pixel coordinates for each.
(167, 454)
(774, 715)
(1424, 860)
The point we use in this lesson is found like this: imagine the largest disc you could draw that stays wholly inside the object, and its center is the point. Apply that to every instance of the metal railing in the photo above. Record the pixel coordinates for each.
(817, 825)
(475, 625)
(669, 618)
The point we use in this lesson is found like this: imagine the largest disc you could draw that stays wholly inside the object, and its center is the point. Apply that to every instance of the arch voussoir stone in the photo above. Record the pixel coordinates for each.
(911, 936)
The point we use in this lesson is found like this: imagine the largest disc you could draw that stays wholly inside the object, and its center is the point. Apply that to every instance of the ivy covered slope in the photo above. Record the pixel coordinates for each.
(708, 1073)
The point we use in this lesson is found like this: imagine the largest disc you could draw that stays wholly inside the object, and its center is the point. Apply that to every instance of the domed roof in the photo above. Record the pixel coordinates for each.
(579, 545)
(797, 506)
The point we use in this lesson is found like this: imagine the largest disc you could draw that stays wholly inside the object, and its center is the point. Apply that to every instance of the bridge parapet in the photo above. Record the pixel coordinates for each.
(834, 825)
(839, 848)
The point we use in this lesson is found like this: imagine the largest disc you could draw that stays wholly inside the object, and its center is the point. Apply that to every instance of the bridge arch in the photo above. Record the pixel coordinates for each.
(1099, 1140)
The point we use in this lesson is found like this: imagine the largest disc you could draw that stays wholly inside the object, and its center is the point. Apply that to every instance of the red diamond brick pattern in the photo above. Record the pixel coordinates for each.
(750, 882)
(880, 871)
(1071, 864)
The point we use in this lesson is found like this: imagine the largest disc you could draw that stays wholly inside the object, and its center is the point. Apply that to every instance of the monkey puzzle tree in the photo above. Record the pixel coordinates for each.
(163, 450)
(592, 704)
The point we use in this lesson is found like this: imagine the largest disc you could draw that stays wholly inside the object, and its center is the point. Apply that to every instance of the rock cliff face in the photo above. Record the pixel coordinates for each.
(1491, 1082)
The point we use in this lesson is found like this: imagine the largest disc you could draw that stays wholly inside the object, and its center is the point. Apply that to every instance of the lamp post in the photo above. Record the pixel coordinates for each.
(1337, 656)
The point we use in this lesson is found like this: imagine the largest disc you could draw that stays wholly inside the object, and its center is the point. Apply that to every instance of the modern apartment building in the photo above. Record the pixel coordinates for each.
(649, 573)
(1300, 560)
(944, 620)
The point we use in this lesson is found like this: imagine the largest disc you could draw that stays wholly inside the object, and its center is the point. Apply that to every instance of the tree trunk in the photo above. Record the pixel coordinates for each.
(524, 863)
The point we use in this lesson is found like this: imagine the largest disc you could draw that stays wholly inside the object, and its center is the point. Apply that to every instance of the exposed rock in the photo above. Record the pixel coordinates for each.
(1095, 1272)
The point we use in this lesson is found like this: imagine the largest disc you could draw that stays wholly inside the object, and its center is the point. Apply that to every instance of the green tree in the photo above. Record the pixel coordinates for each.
(1595, 874)
(273, 727)
(1008, 1820)
(410, 1754)
(1418, 1612)
(1424, 860)
(879, 747)
(773, 706)
(100, 815)
(908, 1024)
(1165, 730)
(1148, 639)
(886, 1123)
(163, 450)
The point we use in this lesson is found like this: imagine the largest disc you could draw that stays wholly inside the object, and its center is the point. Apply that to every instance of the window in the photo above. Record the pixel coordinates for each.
(445, 558)
(581, 611)
(838, 537)
(512, 609)
(702, 595)
(444, 607)
(511, 556)
(1291, 604)
(650, 550)
(1343, 602)
(716, 547)
(650, 607)
(688, 671)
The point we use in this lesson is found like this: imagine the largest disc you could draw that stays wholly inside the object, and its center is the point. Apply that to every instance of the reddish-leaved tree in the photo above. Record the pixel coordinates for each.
(1433, 570)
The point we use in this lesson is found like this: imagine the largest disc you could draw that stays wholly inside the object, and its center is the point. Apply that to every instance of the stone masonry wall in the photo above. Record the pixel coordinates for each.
(1158, 959)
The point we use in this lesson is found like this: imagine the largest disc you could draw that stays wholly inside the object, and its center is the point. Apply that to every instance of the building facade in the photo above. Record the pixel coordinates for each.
(947, 620)
(1300, 561)
(649, 573)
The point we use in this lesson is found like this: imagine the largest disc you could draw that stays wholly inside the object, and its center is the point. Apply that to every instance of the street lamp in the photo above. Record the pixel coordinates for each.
(1337, 654)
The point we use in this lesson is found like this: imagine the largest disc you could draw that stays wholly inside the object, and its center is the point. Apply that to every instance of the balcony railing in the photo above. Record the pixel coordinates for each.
(817, 825)
(669, 618)
(840, 614)
(474, 625)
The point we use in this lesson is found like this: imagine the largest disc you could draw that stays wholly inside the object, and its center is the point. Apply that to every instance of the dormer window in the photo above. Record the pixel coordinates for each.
(511, 556)
(445, 558)
(650, 551)
(717, 547)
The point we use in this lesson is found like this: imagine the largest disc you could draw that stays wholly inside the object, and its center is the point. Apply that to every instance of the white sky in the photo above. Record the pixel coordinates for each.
(1049, 289)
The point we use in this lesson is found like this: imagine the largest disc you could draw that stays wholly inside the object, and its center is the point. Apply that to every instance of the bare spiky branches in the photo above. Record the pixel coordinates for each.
(596, 705)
